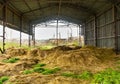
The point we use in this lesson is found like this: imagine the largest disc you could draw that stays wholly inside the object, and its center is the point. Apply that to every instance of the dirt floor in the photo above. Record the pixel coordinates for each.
(64, 59)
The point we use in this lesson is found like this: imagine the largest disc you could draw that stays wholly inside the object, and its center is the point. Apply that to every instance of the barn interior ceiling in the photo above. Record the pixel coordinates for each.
(37, 11)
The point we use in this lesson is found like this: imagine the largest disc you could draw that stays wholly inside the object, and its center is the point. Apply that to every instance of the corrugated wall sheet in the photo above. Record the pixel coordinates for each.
(105, 29)
(89, 32)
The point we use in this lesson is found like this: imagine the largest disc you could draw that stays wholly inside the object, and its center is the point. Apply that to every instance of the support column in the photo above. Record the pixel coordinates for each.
(33, 35)
(95, 31)
(57, 34)
(85, 39)
(114, 9)
(4, 25)
(79, 34)
(21, 26)
(29, 37)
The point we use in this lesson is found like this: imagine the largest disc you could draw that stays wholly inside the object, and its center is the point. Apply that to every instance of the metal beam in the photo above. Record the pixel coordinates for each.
(59, 8)
(80, 8)
(57, 43)
(33, 35)
(64, 1)
(79, 34)
(21, 27)
(14, 9)
(4, 25)
(114, 1)
(74, 6)
(41, 8)
(54, 16)
(95, 31)
(114, 10)
(29, 8)
(29, 37)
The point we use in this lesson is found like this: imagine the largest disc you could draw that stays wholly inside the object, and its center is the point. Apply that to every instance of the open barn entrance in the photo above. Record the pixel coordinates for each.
(12, 38)
(58, 33)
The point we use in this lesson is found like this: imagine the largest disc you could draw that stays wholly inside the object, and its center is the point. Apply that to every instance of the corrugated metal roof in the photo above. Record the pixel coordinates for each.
(35, 10)
(77, 11)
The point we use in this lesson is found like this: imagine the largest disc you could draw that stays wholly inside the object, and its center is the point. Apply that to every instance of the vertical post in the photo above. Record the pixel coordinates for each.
(95, 31)
(85, 38)
(29, 39)
(115, 31)
(33, 35)
(68, 36)
(79, 34)
(4, 25)
(57, 33)
(21, 26)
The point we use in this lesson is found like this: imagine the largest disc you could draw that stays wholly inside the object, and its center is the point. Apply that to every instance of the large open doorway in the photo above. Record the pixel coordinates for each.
(58, 33)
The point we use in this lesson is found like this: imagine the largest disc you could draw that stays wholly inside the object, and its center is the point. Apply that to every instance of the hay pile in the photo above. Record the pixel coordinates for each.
(65, 48)
(68, 59)
(38, 54)
(79, 59)
(16, 68)
(16, 51)
(41, 79)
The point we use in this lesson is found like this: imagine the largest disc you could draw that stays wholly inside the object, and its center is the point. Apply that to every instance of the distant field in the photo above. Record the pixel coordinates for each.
(9, 44)
(42, 47)
(47, 47)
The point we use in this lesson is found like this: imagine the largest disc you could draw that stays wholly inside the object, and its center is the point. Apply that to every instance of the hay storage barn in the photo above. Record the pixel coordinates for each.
(100, 19)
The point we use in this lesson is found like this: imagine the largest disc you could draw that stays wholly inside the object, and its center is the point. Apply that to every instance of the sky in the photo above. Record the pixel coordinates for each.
(43, 32)
(50, 32)
(12, 34)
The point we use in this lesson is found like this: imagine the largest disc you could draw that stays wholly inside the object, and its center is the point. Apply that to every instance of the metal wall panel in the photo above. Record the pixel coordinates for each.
(25, 26)
(10, 18)
(118, 26)
(105, 30)
(1, 11)
(89, 33)
(17, 20)
(13, 19)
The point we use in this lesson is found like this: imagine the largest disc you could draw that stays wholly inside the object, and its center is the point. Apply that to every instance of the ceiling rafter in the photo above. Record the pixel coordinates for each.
(35, 10)
(114, 1)
(29, 7)
(80, 7)
(54, 17)
(13, 7)
(4, 2)
(84, 9)
(39, 5)
(59, 8)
